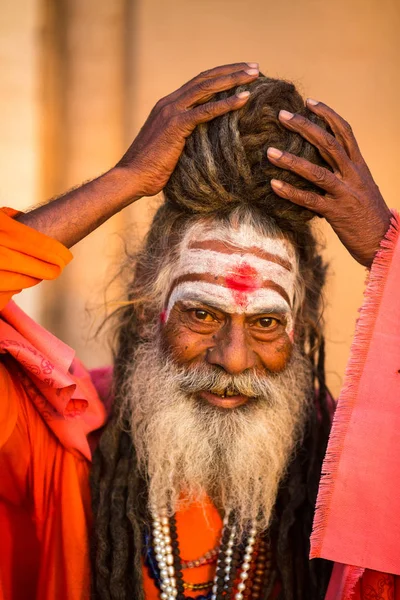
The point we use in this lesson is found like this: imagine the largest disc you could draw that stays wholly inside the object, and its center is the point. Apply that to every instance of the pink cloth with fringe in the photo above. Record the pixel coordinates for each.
(357, 520)
(57, 383)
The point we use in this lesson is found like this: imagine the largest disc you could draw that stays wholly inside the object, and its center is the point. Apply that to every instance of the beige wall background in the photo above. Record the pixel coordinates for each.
(78, 78)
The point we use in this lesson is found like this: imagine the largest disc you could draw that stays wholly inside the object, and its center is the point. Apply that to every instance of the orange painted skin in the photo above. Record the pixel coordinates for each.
(45, 511)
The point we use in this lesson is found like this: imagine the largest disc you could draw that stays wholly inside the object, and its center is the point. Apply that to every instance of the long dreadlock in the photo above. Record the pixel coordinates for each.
(223, 169)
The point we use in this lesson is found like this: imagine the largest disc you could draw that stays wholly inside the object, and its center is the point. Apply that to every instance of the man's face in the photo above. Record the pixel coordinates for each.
(231, 305)
(226, 341)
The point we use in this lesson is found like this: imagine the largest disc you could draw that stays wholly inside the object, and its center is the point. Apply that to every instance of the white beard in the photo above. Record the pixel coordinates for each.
(187, 448)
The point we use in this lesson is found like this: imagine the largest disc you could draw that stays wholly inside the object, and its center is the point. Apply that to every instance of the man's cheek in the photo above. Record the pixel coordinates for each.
(277, 357)
(181, 344)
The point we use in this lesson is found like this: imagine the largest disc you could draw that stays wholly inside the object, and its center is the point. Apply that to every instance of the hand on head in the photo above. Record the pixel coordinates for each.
(352, 203)
(156, 150)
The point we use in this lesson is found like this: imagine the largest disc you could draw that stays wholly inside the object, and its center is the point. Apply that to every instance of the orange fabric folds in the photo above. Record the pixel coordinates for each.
(26, 256)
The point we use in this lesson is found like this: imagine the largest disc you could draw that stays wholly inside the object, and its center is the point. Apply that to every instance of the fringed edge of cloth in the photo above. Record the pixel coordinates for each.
(358, 354)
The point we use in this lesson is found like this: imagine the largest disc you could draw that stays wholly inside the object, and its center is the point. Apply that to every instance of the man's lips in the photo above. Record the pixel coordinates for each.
(227, 402)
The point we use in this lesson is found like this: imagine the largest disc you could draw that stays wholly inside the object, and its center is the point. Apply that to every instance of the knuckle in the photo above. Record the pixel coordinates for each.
(310, 199)
(302, 121)
(330, 141)
(176, 121)
(305, 197)
(227, 103)
(205, 73)
(160, 104)
(319, 174)
(347, 128)
(206, 85)
(165, 111)
(207, 110)
(290, 160)
(166, 115)
(236, 76)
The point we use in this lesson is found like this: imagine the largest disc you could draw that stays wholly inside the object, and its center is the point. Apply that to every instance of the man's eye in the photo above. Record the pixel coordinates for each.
(203, 315)
(267, 322)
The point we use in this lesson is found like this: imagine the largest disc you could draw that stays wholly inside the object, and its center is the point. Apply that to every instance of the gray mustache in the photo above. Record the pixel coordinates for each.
(207, 378)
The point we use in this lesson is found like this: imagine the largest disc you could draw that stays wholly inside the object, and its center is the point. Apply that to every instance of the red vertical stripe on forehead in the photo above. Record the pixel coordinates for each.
(227, 248)
(244, 278)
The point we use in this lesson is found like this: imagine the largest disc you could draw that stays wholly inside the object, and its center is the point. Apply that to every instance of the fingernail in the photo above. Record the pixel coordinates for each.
(274, 152)
(286, 115)
(253, 65)
(276, 183)
(243, 94)
(312, 101)
(252, 71)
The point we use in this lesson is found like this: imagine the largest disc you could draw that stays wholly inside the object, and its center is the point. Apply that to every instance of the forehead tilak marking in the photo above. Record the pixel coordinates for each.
(243, 270)
(222, 257)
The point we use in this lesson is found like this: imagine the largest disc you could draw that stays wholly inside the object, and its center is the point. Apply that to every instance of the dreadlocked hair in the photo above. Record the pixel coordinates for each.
(223, 176)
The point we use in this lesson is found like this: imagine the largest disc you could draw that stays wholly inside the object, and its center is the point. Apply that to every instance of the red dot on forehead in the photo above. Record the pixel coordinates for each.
(244, 278)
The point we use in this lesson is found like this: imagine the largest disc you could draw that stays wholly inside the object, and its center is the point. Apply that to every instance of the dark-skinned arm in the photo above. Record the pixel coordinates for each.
(352, 204)
(147, 165)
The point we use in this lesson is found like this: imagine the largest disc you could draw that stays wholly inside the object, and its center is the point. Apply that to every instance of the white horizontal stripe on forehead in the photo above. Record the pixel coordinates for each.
(217, 263)
(263, 300)
(244, 236)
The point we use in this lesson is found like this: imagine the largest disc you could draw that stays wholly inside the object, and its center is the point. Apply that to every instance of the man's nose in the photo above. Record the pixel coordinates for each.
(231, 351)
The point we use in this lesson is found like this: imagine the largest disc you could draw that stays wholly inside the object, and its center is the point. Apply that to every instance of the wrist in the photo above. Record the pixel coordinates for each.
(125, 185)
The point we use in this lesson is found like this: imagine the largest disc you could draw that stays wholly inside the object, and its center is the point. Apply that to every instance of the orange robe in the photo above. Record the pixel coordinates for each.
(45, 513)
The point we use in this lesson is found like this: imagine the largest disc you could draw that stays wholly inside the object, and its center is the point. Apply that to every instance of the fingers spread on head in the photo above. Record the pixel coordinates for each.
(205, 89)
(340, 127)
(307, 199)
(225, 70)
(213, 74)
(211, 110)
(314, 173)
(330, 149)
(209, 74)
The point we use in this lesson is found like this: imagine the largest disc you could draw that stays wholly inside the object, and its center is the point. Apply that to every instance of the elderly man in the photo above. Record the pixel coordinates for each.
(205, 477)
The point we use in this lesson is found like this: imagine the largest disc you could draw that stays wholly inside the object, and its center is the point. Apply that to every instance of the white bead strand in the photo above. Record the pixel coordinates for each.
(164, 555)
(228, 558)
(248, 554)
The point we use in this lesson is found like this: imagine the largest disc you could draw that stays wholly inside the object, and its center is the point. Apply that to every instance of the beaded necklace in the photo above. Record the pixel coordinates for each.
(245, 564)
(207, 559)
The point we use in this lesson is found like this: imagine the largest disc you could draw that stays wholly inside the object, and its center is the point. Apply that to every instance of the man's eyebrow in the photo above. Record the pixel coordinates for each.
(198, 302)
(271, 308)
(276, 308)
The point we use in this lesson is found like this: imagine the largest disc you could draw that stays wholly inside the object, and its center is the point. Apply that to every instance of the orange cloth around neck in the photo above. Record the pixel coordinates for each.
(199, 530)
